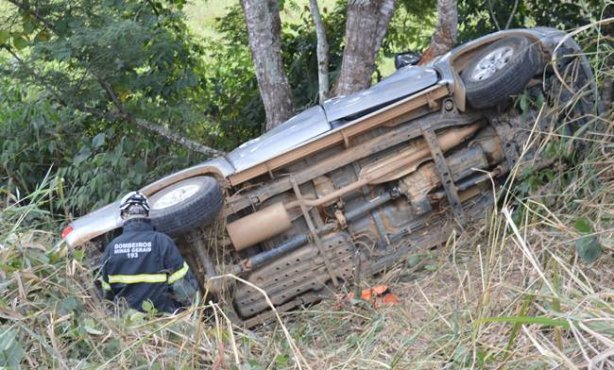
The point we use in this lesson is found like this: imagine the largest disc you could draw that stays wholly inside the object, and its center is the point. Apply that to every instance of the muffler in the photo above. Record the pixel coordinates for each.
(259, 226)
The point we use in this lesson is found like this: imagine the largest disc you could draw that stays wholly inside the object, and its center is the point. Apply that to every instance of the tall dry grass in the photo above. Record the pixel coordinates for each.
(510, 293)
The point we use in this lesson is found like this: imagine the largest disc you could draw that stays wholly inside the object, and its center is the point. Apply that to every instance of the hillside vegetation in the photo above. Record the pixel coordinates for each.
(529, 287)
(511, 293)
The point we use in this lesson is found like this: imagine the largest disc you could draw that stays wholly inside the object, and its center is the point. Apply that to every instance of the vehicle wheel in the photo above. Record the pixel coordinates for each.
(186, 205)
(502, 69)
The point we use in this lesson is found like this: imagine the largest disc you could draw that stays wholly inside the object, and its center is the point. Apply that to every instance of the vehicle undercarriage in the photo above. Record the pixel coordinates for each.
(359, 206)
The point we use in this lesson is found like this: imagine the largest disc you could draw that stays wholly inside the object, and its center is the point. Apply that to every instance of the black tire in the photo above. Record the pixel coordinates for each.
(510, 79)
(200, 207)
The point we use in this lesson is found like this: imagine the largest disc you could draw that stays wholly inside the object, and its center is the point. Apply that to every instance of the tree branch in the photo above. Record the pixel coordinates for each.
(152, 127)
(509, 20)
(322, 51)
(492, 15)
(174, 137)
(13, 54)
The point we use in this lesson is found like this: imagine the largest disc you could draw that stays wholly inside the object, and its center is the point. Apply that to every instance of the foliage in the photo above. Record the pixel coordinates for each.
(231, 92)
(95, 55)
(73, 72)
(299, 44)
(489, 299)
(478, 17)
(94, 161)
(411, 27)
(64, 99)
(232, 89)
(299, 54)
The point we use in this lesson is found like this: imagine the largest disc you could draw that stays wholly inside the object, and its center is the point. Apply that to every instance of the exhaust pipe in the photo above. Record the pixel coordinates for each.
(275, 219)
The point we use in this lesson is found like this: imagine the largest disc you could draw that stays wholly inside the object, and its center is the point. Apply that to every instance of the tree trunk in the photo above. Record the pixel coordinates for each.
(264, 32)
(322, 51)
(446, 33)
(366, 25)
(386, 11)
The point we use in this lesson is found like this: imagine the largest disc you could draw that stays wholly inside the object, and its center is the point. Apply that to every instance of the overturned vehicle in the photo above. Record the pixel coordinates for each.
(350, 186)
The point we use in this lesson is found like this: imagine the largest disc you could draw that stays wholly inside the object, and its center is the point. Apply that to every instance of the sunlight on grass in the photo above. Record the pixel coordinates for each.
(202, 14)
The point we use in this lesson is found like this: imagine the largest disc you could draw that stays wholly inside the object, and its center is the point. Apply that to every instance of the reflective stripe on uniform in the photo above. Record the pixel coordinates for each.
(135, 279)
(179, 274)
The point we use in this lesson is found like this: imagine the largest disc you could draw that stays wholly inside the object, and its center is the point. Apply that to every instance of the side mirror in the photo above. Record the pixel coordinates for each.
(406, 59)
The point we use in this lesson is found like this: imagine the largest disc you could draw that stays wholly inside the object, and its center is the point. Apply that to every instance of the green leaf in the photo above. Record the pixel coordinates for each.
(4, 36)
(83, 155)
(524, 104)
(11, 351)
(148, 307)
(98, 140)
(79, 255)
(112, 347)
(282, 361)
(19, 42)
(588, 248)
(583, 225)
(414, 260)
(28, 25)
(42, 36)
(67, 305)
(90, 327)
(134, 317)
(540, 100)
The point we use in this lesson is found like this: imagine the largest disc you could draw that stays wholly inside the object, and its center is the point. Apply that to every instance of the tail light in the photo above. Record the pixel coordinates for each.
(67, 230)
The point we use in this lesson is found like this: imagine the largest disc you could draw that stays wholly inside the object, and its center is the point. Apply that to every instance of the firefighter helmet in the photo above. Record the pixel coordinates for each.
(134, 204)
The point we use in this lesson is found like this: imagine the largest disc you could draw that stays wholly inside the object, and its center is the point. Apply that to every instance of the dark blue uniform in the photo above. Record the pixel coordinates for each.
(143, 264)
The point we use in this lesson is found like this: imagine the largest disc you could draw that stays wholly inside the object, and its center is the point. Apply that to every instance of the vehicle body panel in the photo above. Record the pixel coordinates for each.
(404, 82)
(317, 120)
(310, 123)
(94, 224)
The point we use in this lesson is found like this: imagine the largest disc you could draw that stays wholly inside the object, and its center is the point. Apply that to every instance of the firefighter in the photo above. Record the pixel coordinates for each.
(142, 264)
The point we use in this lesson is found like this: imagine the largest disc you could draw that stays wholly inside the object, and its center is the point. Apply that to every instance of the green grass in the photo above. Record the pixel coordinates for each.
(509, 293)
(202, 14)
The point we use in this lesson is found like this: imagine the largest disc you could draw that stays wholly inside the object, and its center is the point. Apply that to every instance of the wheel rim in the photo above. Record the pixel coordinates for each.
(175, 196)
(492, 62)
